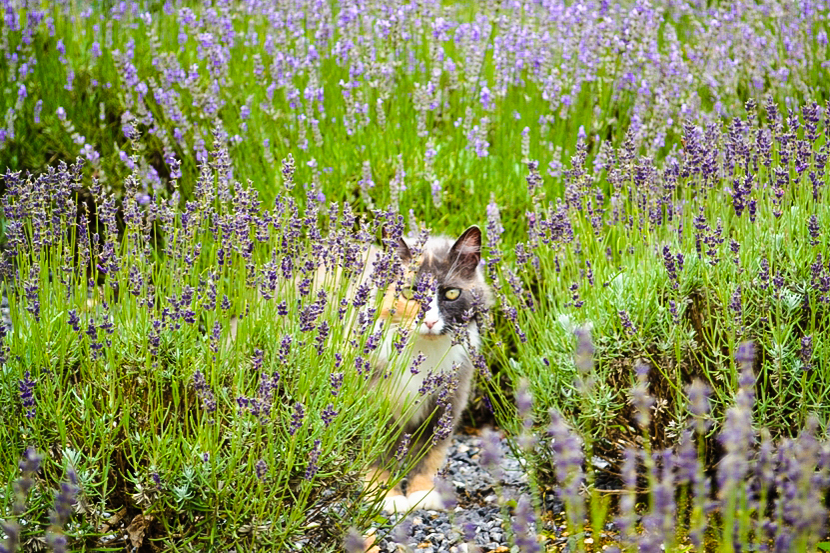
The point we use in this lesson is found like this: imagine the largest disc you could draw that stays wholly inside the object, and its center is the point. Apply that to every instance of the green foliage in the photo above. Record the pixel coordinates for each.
(150, 400)
(609, 139)
(685, 263)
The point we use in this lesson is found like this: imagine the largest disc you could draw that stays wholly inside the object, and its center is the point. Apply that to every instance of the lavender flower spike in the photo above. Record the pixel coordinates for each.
(64, 500)
(27, 395)
(524, 526)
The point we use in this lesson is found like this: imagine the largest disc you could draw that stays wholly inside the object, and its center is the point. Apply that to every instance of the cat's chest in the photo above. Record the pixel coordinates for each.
(408, 383)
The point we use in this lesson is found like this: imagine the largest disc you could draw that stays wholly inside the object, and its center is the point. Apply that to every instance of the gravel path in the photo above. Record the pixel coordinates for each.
(477, 522)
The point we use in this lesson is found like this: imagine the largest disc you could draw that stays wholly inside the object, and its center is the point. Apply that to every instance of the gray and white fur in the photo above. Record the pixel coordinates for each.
(445, 335)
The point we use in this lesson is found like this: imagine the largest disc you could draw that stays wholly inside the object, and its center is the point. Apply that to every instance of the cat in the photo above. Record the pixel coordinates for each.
(441, 307)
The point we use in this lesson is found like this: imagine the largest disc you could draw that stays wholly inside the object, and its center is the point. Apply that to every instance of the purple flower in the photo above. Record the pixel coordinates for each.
(354, 542)
(524, 408)
(366, 182)
(745, 355)
(373, 341)
(534, 178)
(525, 146)
(29, 465)
(688, 466)
(444, 426)
(203, 391)
(628, 515)
(627, 324)
(765, 463)
(806, 353)
(763, 273)
(416, 362)
(778, 281)
(214, 336)
(814, 230)
(313, 458)
(735, 306)
(524, 525)
(59, 516)
(285, 349)
(403, 447)
(568, 459)
(491, 454)
(261, 468)
(27, 395)
(584, 357)
(328, 414)
(486, 98)
(336, 380)
(397, 184)
(671, 269)
(437, 193)
(288, 172)
(401, 337)
(738, 435)
(524, 402)
(296, 418)
(320, 339)
(663, 504)
(30, 287)
(12, 531)
(481, 143)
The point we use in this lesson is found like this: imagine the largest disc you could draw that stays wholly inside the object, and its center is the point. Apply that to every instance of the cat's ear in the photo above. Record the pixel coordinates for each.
(467, 251)
(400, 246)
(404, 253)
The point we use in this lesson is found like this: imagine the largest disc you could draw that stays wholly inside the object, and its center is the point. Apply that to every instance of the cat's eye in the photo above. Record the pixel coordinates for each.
(452, 294)
(408, 293)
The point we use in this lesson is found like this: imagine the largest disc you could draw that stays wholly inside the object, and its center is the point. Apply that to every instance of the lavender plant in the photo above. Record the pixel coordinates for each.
(769, 495)
(674, 156)
(454, 88)
(132, 334)
(648, 267)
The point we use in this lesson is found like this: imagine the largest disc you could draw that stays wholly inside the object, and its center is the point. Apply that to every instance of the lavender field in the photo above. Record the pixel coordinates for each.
(651, 180)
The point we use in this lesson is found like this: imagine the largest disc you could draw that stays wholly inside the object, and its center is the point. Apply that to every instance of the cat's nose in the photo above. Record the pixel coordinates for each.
(430, 324)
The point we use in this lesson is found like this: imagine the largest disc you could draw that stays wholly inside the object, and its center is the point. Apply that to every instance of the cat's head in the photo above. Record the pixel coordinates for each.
(445, 280)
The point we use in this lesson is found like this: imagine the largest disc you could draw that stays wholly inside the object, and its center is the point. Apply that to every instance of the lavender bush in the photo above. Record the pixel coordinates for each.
(653, 179)
(761, 497)
(118, 335)
(676, 265)
(455, 89)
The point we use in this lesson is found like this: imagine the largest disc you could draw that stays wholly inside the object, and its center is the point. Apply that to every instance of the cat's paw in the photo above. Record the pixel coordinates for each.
(430, 500)
(395, 504)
